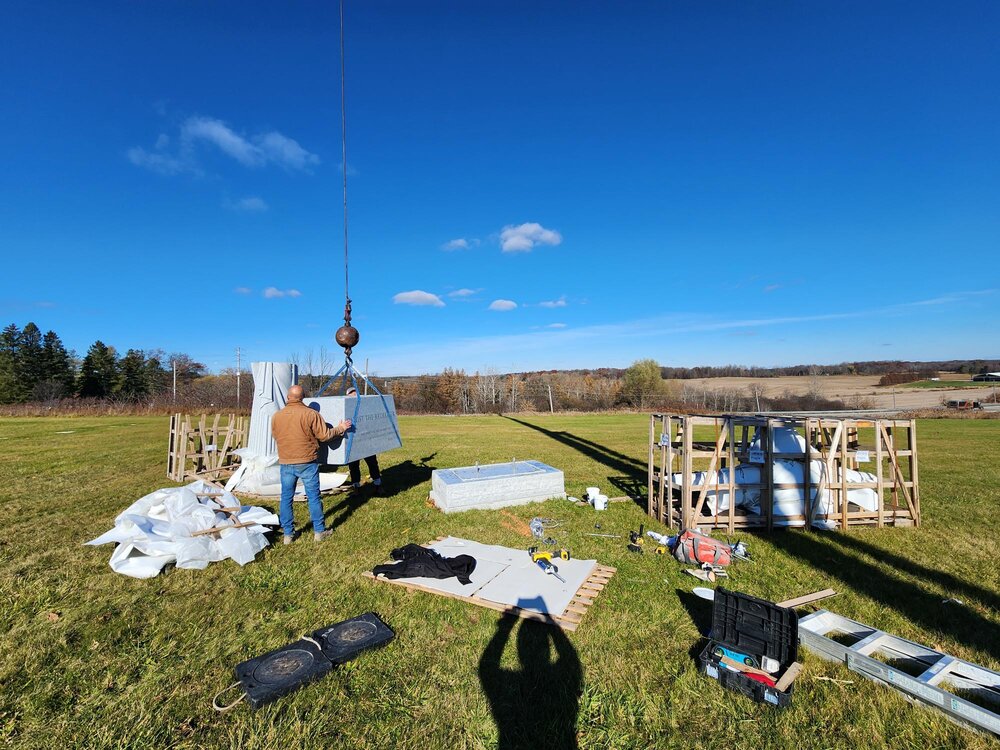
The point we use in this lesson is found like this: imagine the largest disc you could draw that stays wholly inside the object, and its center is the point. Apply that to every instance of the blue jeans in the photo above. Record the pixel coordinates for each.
(309, 474)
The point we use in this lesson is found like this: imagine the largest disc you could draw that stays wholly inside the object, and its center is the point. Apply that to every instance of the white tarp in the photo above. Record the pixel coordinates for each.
(156, 530)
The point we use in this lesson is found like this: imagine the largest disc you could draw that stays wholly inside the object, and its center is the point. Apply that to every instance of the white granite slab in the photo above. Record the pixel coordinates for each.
(494, 486)
(375, 429)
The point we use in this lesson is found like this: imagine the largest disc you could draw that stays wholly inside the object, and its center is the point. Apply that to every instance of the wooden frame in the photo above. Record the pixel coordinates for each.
(568, 620)
(675, 500)
(204, 450)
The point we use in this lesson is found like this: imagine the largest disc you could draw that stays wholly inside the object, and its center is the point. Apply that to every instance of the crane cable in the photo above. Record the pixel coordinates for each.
(347, 335)
(343, 144)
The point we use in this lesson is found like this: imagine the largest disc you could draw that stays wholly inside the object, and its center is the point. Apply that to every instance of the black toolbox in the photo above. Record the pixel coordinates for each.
(755, 628)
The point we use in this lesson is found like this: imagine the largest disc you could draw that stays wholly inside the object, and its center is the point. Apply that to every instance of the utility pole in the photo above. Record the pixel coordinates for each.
(237, 377)
(366, 376)
(175, 380)
(551, 408)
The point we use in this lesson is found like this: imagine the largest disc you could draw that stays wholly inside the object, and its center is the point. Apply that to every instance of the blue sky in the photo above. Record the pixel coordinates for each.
(532, 185)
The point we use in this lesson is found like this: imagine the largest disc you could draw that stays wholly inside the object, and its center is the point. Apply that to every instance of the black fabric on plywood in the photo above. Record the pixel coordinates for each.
(415, 561)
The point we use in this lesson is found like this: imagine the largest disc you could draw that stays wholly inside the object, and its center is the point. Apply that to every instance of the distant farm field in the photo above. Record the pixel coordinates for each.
(950, 384)
(850, 389)
(90, 659)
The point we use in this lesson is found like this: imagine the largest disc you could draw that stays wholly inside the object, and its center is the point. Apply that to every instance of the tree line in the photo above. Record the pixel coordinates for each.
(38, 367)
(637, 387)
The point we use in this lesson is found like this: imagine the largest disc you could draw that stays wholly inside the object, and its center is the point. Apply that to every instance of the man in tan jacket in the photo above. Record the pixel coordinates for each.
(298, 430)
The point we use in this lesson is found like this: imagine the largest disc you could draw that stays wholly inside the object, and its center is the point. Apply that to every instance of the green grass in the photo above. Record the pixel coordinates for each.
(133, 664)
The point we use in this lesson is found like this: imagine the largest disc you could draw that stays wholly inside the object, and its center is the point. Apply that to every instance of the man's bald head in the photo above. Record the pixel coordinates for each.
(295, 393)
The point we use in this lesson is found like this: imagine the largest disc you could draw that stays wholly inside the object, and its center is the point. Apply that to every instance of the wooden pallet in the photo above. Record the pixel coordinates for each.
(568, 620)
(204, 450)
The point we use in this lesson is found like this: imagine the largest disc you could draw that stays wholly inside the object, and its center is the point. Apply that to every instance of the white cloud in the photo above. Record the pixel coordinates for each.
(159, 163)
(418, 297)
(272, 292)
(243, 290)
(460, 293)
(255, 151)
(556, 325)
(220, 135)
(461, 243)
(250, 204)
(772, 288)
(285, 151)
(524, 237)
(561, 302)
(502, 305)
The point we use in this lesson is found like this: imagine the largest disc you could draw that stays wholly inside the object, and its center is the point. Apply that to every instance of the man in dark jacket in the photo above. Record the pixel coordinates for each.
(354, 467)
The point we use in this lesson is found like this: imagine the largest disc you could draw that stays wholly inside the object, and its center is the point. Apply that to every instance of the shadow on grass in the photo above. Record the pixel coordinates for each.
(955, 586)
(396, 479)
(633, 471)
(535, 707)
(826, 552)
(700, 611)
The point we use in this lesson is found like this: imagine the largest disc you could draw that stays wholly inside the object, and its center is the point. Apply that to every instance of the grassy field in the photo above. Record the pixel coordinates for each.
(93, 659)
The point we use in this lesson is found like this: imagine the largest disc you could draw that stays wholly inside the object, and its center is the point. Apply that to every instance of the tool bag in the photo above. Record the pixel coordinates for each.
(696, 548)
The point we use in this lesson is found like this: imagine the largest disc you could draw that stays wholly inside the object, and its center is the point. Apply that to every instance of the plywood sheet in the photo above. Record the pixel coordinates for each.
(486, 571)
(515, 586)
(520, 583)
(526, 586)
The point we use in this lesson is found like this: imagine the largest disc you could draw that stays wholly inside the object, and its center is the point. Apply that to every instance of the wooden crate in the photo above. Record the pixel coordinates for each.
(204, 450)
(675, 455)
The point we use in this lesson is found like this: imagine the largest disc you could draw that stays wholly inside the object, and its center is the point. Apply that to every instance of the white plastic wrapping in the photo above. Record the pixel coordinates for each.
(787, 501)
(261, 476)
(157, 530)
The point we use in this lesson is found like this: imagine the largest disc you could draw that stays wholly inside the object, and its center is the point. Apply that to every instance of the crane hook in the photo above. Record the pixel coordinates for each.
(347, 335)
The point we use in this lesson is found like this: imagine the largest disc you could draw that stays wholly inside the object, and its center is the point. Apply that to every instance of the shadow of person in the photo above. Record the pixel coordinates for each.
(631, 472)
(535, 705)
(700, 611)
(406, 475)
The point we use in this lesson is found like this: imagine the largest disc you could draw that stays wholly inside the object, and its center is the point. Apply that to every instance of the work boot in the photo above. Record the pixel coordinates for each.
(289, 538)
(319, 536)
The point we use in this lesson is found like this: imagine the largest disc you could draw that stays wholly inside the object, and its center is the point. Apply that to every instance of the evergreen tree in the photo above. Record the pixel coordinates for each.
(30, 359)
(156, 377)
(58, 366)
(98, 371)
(132, 376)
(11, 391)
